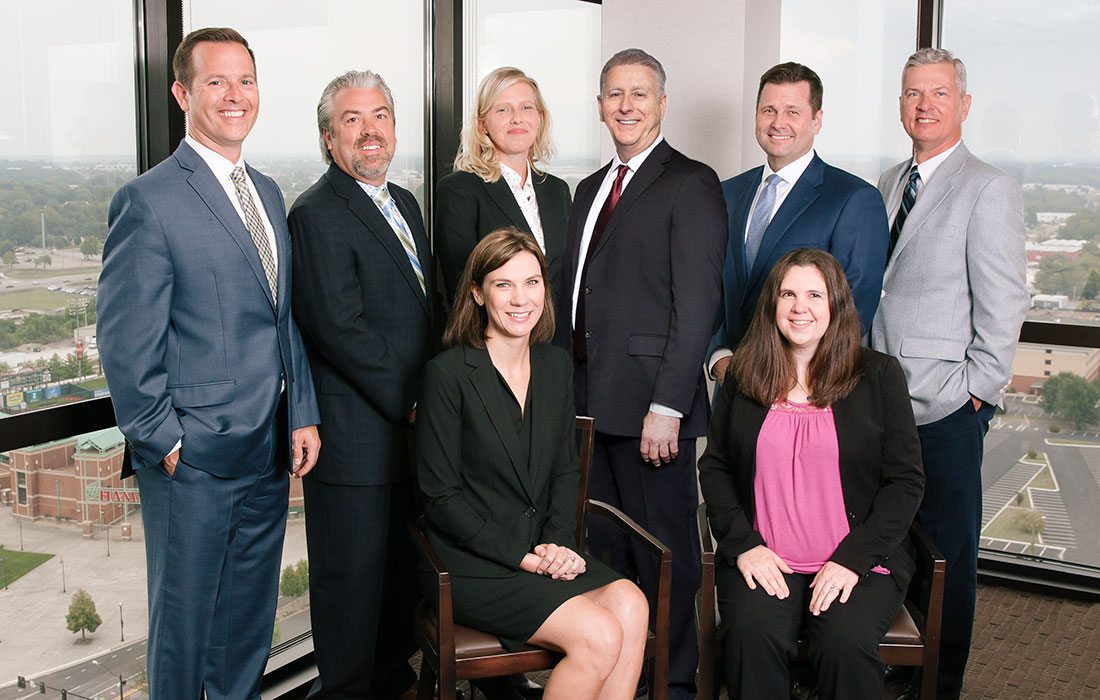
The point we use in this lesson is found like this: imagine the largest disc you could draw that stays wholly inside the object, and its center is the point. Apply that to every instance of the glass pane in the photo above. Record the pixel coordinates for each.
(67, 142)
(1042, 467)
(529, 35)
(857, 47)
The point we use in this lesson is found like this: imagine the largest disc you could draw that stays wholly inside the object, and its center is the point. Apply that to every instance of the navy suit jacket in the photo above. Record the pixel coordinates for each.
(369, 328)
(827, 208)
(191, 342)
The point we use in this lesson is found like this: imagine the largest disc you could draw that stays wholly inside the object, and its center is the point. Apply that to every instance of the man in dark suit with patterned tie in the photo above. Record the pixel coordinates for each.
(208, 378)
(642, 282)
(363, 298)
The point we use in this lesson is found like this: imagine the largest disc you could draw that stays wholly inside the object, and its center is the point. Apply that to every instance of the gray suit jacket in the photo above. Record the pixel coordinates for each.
(954, 295)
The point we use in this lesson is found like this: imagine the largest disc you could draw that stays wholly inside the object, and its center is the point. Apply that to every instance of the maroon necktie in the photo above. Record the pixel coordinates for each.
(580, 335)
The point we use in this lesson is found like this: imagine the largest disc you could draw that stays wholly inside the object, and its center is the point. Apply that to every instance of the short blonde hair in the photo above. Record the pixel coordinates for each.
(476, 153)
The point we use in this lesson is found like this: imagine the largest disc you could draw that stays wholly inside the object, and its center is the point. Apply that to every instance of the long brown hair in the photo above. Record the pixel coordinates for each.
(468, 320)
(762, 365)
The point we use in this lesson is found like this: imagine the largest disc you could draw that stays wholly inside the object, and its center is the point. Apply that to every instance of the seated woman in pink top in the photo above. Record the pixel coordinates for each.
(812, 476)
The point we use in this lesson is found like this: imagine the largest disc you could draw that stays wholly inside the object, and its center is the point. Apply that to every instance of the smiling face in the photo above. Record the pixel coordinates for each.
(786, 122)
(802, 310)
(362, 138)
(632, 106)
(223, 99)
(513, 296)
(513, 120)
(932, 110)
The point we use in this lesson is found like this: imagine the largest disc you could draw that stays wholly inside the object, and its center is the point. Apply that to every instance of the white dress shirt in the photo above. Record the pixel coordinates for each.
(526, 199)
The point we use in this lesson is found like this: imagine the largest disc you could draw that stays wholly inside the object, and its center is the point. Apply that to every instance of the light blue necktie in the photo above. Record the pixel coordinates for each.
(761, 217)
(397, 223)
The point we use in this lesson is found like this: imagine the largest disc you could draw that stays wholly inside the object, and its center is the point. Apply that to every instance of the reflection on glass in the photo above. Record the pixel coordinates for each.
(67, 142)
(858, 48)
(530, 35)
(1041, 474)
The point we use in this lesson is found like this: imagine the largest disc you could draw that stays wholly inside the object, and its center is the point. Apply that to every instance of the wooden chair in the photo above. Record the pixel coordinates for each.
(911, 640)
(453, 652)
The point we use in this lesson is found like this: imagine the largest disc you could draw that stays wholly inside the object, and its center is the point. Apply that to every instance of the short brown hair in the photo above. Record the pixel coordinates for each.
(184, 69)
(469, 320)
(786, 73)
(762, 365)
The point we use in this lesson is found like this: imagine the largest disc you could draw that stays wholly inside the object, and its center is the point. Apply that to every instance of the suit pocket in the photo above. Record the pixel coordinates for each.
(646, 345)
(934, 348)
(208, 394)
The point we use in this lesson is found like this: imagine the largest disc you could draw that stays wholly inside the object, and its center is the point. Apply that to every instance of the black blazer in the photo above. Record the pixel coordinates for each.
(467, 208)
(654, 286)
(367, 325)
(880, 470)
(486, 506)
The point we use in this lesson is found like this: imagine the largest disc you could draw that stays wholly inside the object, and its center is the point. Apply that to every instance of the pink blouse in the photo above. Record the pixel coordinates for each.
(799, 500)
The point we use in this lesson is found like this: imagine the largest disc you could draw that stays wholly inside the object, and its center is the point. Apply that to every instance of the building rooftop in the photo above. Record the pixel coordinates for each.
(100, 441)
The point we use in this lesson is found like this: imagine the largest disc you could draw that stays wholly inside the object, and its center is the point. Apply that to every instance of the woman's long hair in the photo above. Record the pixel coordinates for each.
(468, 319)
(762, 365)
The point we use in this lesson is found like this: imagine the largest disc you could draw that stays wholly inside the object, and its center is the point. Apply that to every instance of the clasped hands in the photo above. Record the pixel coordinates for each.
(762, 566)
(554, 561)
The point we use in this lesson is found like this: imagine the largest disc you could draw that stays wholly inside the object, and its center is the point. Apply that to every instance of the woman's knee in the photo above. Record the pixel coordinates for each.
(629, 606)
(843, 643)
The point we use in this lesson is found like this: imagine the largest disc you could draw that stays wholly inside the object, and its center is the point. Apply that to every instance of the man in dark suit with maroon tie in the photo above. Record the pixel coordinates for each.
(642, 274)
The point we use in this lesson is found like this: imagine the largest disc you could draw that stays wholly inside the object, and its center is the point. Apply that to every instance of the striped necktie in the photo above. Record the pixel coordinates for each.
(397, 223)
(255, 227)
(907, 200)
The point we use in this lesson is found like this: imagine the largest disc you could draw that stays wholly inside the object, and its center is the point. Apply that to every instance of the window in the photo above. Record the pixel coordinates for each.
(67, 142)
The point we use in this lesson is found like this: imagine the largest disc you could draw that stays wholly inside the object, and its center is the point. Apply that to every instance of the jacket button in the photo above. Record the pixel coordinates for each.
(529, 512)
(588, 334)
(587, 290)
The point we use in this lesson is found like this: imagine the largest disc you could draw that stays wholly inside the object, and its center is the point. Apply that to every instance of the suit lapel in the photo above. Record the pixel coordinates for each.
(278, 224)
(801, 196)
(204, 183)
(502, 196)
(367, 211)
(931, 196)
(738, 209)
(551, 218)
(492, 394)
(582, 208)
(651, 169)
(423, 249)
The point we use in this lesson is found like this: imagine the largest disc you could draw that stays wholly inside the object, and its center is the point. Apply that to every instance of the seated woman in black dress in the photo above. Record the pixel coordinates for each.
(497, 464)
(812, 476)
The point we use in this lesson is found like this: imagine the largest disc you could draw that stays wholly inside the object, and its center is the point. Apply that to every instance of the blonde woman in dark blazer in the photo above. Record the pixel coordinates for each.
(498, 470)
(499, 180)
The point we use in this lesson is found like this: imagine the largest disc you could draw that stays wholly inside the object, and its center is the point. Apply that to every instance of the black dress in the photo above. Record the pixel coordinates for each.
(507, 484)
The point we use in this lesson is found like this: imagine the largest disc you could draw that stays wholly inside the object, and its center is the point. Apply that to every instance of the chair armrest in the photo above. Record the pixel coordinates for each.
(705, 618)
(927, 552)
(445, 638)
(627, 525)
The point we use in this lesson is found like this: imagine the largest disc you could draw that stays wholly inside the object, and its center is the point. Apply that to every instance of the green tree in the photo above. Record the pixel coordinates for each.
(1033, 522)
(43, 260)
(1092, 285)
(1073, 398)
(82, 615)
(90, 247)
(9, 258)
(295, 579)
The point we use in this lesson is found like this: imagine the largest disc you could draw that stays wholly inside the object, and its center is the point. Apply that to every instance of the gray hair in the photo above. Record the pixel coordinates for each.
(633, 57)
(929, 57)
(364, 79)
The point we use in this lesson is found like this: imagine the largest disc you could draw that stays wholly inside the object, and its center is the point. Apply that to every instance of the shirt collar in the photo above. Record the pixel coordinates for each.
(636, 162)
(221, 166)
(790, 172)
(373, 190)
(513, 178)
(928, 167)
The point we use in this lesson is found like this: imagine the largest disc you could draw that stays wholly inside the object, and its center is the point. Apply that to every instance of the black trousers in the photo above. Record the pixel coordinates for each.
(759, 635)
(362, 588)
(663, 501)
(951, 514)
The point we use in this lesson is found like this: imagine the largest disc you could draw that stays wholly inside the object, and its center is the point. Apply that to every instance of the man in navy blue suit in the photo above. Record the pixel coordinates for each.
(794, 201)
(209, 379)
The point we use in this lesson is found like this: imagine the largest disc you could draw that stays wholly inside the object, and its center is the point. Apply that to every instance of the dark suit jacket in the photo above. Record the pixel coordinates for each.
(827, 208)
(653, 289)
(880, 470)
(368, 326)
(192, 344)
(487, 505)
(467, 208)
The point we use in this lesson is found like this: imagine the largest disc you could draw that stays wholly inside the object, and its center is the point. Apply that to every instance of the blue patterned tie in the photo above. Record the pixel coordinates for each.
(397, 223)
(907, 200)
(761, 217)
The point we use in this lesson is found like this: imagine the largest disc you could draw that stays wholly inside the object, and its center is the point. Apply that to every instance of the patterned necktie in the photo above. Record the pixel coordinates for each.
(397, 223)
(255, 227)
(580, 332)
(907, 200)
(761, 217)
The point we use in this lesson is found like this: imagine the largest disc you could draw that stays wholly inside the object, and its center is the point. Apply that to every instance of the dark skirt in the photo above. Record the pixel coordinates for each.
(514, 607)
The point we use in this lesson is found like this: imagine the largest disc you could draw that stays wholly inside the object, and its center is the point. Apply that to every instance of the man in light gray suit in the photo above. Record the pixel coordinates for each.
(953, 300)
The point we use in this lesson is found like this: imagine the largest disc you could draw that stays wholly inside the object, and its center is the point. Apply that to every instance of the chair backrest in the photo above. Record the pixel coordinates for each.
(586, 434)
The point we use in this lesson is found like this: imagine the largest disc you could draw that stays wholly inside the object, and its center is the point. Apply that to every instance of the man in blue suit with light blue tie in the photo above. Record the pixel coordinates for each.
(209, 379)
(794, 201)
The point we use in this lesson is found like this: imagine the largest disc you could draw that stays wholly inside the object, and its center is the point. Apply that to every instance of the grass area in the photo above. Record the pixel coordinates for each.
(77, 274)
(1043, 480)
(1006, 526)
(93, 384)
(16, 564)
(34, 300)
(1072, 442)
